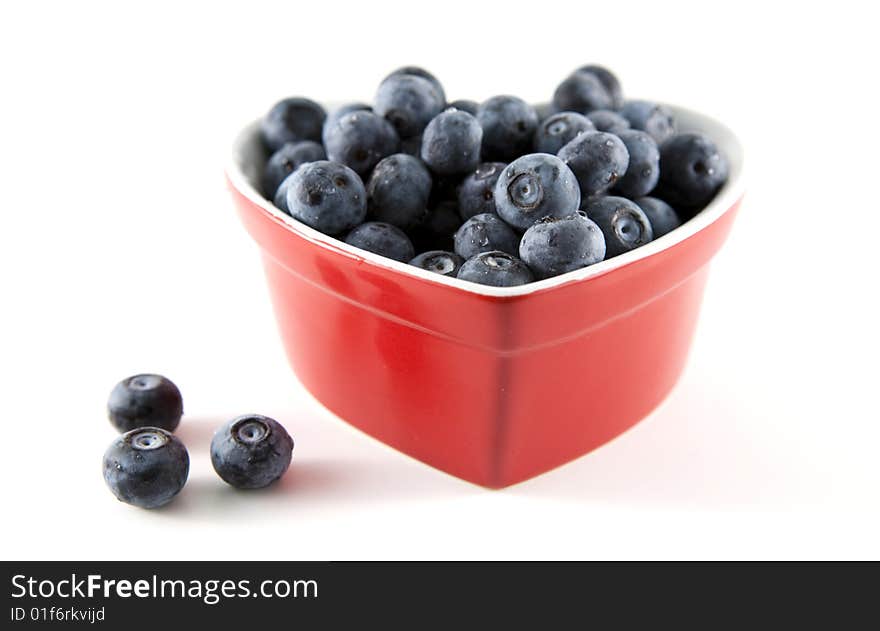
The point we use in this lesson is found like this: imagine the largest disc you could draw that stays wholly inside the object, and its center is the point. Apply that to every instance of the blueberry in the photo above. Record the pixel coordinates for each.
(465, 105)
(555, 245)
(408, 102)
(559, 129)
(623, 223)
(509, 125)
(146, 467)
(359, 140)
(644, 164)
(651, 117)
(412, 146)
(398, 191)
(251, 451)
(485, 233)
(476, 194)
(334, 116)
(437, 230)
(280, 199)
(598, 160)
(691, 171)
(606, 120)
(535, 186)
(145, 401)
(451, 143)
(327, 196)
(498, 269)
(288, 159)
(581, 92)
(382, 238)
(424, 74)
(291, 120)
(609, 82)
(439, 262)
(662, 216)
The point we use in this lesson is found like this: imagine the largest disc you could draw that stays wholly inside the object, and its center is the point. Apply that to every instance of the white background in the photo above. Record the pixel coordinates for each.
(121, 253)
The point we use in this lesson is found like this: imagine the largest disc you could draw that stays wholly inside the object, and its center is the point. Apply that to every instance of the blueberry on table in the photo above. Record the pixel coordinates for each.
(382, 238)
(608, 80)
(334, 116)
(359, 140)
(644, 164)
(451, 143)
(623, 223)
(535, 186)
(424, 74)
(509, 125)
(598, 160)
(582, 92)
(556, 245)
(691, 171)
(145, 400)
(437, 230)
(146, 467)
(662, 216)
(251, 452)
(291, 120)
(327, 196)
(408, 102)
(606, 120)
(288, 159)
(651, 117)
(476, 193)
(398, 191)
(465, 105)
(439, 262)
(557, 130)
(498, 269)
(485, 233)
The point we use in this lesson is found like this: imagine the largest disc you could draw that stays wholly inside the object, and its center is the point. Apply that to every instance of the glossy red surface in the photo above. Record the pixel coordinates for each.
(493, 389)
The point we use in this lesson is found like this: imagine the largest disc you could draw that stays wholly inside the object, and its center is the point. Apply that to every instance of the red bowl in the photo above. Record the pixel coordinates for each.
(493, 385)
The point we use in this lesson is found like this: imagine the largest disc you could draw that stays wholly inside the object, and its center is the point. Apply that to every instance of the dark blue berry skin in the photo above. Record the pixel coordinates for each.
(476, 194)
(691, 172)
(608, 80)
(146, 467)
(251, 452)
(598, 160)
(535, 186)
(412, 146)
(287, 160)
(280, 199)
(408, 102)
(498, 269)
(556, 245)
(451, 143)
(644, 164)
(437, 230)
(292, 120)
(485, 233)
(145, 401)
(439, 262)
(465, 105)
(398, 191)
(327, 196)
(662, 216)
(382, 238)
(334, 116)
(623, 223)
(509, 125)
(424, 74)
(606, 120)
(359, 140)
(557, 130)
(651, 117)
(581, 92)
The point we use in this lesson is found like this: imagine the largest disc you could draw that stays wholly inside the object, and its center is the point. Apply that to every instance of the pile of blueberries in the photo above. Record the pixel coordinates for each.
(148, 465)
(500, 193)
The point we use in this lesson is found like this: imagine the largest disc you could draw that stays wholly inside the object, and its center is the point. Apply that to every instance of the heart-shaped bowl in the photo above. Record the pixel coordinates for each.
(490, 384)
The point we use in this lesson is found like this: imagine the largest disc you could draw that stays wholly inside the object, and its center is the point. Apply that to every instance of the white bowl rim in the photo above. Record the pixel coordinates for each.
(687, 120)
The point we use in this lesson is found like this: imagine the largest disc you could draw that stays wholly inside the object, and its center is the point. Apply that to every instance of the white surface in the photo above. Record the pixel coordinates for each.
(121, 253)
